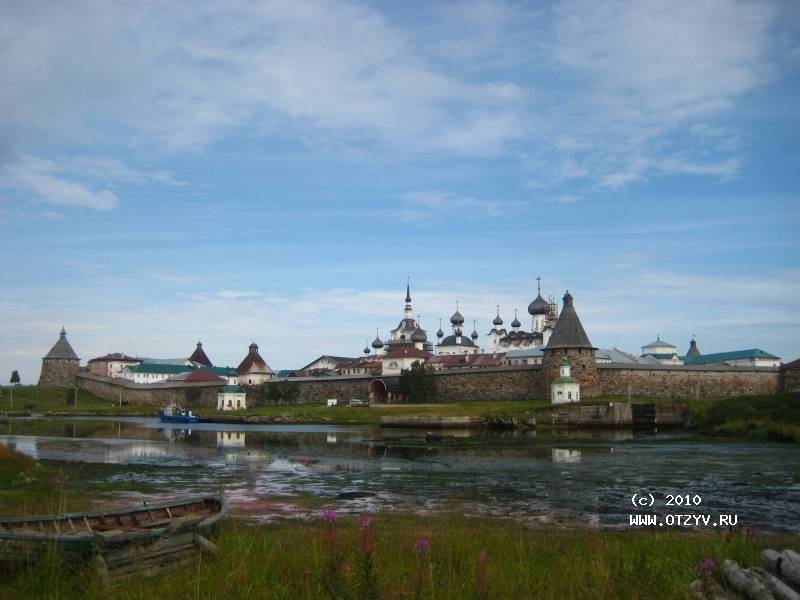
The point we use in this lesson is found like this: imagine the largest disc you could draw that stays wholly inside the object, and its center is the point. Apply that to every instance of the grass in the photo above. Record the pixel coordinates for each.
(31, 398)
(774, 417)
(463, 558)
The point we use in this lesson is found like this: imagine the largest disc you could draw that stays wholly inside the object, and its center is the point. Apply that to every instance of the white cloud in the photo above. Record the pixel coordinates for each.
(40, 179)
(649, 76)
(337, 73)
(425, 206)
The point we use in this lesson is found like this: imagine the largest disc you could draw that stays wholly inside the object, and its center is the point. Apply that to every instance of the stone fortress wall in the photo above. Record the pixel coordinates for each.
(466, 385)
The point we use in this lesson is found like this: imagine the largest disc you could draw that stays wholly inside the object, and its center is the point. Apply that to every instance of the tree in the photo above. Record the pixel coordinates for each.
(273, 392)
(419, 383)
(15, 378)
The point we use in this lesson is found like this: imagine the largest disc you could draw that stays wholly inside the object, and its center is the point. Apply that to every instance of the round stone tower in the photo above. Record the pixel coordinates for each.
(60, 365)
(569, 341)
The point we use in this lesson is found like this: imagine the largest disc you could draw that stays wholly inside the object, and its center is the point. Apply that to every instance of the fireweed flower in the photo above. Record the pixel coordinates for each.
(422, 545)
(707, 566)
(364, 522)
(329, 516)
(483, 556)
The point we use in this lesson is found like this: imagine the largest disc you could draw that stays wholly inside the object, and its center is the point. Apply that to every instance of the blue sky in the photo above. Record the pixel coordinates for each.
(271, 172)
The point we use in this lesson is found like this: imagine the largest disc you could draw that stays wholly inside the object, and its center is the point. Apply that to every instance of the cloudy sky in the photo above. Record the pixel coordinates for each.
(272, 171)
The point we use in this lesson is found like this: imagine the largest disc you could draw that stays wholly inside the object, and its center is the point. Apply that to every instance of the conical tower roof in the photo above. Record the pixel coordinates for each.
(569, 332)
(693, 349)
(199, 356)
(61, 349)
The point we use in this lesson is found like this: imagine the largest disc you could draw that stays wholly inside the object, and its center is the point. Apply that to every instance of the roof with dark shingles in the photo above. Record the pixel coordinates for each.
(407, 353)
(569, 332)
(61, 349)
(795, 364)
(253, 363)
(450, 340)
(199, 356)
(115, 356)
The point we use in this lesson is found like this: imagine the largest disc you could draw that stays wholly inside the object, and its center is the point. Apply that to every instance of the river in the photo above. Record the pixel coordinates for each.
(543, 477)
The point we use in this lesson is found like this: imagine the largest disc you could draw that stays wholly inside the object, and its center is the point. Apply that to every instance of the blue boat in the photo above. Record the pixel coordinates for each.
(174, 414)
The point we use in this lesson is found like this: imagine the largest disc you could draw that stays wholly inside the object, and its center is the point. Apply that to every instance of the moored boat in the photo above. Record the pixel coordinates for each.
(175, 414)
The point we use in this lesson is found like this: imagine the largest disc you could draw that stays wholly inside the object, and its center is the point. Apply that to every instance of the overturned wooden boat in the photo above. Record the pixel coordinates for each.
(146, 538)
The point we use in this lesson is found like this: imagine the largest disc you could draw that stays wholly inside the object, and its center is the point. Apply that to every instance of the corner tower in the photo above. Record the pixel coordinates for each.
(569, 341)
(60, 365)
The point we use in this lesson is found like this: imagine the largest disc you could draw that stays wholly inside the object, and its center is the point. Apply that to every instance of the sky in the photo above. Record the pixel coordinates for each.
(234, 172)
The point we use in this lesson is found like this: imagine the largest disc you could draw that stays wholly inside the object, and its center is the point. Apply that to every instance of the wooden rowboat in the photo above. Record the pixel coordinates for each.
(142, 538)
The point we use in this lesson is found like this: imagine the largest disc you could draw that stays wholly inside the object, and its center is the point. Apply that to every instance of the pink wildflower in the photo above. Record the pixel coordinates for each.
(329, 515)
(483, 556)
(422, 545)
(707, 566)
(364, 522)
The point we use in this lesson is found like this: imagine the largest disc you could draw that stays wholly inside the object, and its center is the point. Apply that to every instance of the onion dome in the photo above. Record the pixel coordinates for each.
(419, 336)
(366, 347)
(440, 333)
(457, 331)
(457, 318)
(474, 335)
(377, 343)
(515, 322)
(539, 306)
(497, 320)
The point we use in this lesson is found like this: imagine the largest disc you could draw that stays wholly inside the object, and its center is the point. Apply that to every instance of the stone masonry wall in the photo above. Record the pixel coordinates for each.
(791, 380)
(583, 367)
(465, 385)
(58, 372)
(662, 381)
(156, 394)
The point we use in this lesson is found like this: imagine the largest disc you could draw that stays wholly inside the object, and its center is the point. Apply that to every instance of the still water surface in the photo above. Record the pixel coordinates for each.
(274, 471)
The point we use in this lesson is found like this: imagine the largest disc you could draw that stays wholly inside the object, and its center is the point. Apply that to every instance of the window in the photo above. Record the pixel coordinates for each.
(569, 395)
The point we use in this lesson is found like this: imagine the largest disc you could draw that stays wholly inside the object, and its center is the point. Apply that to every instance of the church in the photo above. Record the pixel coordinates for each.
(544, 315)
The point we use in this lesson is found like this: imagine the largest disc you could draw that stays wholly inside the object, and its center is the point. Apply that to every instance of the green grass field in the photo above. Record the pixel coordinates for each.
(406, 556)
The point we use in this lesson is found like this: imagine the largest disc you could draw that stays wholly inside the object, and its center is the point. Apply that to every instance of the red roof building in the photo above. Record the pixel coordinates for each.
(254, 370)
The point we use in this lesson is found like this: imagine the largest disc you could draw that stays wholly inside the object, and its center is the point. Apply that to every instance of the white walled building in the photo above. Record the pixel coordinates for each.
(111, 365)
(254, 370)
(398, 360)
(660, 352)
(231, 397)
(565, 388)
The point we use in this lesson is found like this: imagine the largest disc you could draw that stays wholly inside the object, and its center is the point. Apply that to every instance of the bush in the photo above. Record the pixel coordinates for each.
(418, 383)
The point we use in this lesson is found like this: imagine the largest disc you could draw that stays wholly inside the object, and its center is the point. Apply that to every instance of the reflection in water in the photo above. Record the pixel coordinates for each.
(566, 455)
(547, 477)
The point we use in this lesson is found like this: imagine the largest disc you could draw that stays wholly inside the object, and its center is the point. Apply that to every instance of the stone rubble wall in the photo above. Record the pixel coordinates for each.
(668, 381)
(58, 372)
(524, 382)
(155, 394)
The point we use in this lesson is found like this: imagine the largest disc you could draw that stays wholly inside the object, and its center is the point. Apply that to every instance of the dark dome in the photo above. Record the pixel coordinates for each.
(377, 343)
(440, 333)
(539, 306)
(457, 318)
(419, 336)
(366, 350)
(516, 323)
(497, 321)
(474, 335)
(450, 340)
(457, 331)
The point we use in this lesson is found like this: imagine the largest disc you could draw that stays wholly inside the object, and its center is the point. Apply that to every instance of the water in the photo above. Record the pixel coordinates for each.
(278, 471)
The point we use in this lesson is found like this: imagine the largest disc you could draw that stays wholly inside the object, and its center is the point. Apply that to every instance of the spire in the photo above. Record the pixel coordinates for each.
(61, 349)
(408, 298)
(63, 333)
(539, 284)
